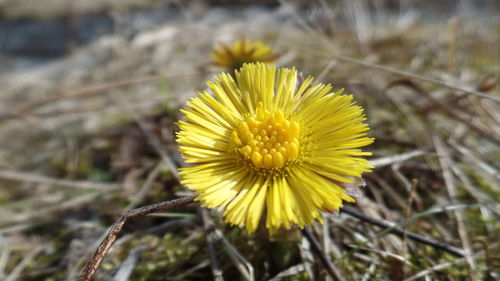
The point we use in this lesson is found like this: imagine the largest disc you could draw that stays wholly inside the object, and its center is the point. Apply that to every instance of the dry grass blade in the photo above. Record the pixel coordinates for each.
(244, 267)
(64, 122)
(86, 92)
(398, 158)
(420, 77)
(307, 257)
(488, 170)
(126, 268)
(35, 178)
(34, 218)
(139, 196)
(326, 40)
(155, 143)
(4, 256)
(209, 228)
(466, 118)
(445, 161)
(14, 275)
(289, 272)
(332, 270)
(445, 265)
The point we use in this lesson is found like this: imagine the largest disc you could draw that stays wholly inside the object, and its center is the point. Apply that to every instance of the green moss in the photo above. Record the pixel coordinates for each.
(164, 256)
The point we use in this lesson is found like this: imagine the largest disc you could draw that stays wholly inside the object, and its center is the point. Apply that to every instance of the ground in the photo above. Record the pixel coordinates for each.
(86, 135)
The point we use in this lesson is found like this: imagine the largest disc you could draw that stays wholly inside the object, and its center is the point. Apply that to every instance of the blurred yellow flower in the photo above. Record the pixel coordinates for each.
(267, 143)
(240, 52)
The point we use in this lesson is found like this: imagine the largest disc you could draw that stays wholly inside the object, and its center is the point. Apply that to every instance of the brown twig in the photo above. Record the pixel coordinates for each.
(115, 229)
(327, 263)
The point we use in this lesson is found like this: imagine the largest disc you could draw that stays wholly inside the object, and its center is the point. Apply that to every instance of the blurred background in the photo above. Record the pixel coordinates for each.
(89, 96)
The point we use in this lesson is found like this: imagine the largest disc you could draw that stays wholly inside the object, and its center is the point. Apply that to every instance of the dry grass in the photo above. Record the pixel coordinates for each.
(76, 148)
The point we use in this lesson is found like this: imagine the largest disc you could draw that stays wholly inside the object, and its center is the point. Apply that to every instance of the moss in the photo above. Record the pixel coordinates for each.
(163, 256)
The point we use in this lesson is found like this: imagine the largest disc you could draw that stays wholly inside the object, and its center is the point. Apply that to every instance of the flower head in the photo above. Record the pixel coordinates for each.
(240, 52)
(265, 143)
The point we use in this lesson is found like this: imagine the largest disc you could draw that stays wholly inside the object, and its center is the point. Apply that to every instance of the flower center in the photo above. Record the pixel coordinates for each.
(266, 139)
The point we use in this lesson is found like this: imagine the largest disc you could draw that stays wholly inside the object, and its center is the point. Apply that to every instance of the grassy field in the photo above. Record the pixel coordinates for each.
(90, 136)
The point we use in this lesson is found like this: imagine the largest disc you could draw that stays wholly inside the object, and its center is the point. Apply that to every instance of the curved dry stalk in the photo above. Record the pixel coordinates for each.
(115, 229)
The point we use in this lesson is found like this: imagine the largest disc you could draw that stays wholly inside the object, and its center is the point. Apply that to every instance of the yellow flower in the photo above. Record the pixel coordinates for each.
(242, 51)
(267, 143)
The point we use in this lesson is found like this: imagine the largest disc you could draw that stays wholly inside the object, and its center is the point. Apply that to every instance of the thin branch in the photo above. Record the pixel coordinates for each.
(115, 229)
(211, 239)
(327, 263)
(396, 230)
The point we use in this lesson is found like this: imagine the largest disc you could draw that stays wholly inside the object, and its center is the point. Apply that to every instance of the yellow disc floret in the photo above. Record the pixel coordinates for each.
(267, 140)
